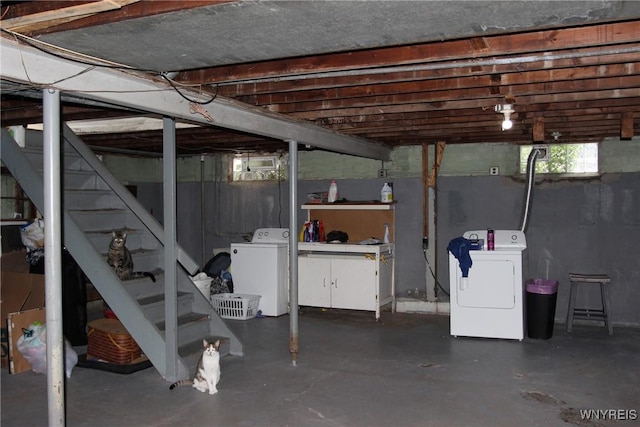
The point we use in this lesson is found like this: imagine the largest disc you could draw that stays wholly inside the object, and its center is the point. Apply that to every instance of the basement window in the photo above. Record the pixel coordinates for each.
(259, 168)
(564, 159)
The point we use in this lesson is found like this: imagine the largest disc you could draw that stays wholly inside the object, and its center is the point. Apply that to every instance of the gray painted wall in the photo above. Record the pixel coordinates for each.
(575, 226)
(587, 226)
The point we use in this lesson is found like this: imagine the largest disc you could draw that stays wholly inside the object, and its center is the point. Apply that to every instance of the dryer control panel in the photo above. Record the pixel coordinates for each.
(270, 235)
(504, 239)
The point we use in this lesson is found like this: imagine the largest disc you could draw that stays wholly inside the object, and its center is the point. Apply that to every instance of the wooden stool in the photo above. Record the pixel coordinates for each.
(586, 313)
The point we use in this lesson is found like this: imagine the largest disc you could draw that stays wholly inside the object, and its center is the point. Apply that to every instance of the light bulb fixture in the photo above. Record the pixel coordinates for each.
(506, 110)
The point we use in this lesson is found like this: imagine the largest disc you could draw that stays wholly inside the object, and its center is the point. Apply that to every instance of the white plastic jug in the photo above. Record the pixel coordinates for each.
(333, 191)
(386, 194)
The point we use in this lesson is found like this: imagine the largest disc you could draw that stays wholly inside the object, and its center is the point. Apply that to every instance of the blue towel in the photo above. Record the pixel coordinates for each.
(459, 248)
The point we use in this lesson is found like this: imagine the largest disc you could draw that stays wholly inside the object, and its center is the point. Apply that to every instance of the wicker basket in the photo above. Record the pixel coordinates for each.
(109, 340)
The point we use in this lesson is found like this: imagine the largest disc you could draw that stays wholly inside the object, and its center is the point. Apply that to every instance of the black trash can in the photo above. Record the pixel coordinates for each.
(541, 307)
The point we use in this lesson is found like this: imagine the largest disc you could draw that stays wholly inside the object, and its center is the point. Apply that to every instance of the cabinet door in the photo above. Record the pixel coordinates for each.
(314, 282)
(353, 281)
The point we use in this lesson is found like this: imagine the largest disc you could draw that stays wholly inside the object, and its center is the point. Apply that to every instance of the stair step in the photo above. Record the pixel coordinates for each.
(72, 160)
(97, 199)
(34, 141)
(191, 327)
(136, 239)
(153, 305)
(147, 259)
(185, 320)
(83, 180)
(143, 259)
(143, 286)
(115, 219)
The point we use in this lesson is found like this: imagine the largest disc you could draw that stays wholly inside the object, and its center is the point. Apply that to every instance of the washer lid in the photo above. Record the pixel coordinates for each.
(270, 235)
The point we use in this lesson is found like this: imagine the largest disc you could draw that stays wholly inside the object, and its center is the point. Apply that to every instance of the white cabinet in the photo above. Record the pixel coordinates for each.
(314, 281)
(354, 283)
(352, 277)
(348, 275)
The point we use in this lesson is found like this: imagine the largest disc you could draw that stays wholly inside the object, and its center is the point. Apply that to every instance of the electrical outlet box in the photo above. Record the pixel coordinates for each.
(495, 170)
(382, 173)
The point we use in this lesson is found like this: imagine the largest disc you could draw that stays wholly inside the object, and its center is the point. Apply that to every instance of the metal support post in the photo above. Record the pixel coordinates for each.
(170, 273)
(53, 257)
(294, 345)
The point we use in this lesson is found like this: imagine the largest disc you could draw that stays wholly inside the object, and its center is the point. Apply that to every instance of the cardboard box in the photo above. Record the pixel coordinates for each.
(16, 323)
(15, 261)
(19, 292)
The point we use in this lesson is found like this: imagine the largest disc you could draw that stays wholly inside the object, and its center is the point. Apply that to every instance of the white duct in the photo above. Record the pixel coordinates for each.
(531, 173)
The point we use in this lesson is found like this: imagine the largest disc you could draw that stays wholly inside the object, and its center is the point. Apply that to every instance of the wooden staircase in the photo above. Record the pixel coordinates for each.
(94, 204)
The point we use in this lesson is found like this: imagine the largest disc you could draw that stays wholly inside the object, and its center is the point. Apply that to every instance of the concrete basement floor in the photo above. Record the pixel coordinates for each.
(404, 370)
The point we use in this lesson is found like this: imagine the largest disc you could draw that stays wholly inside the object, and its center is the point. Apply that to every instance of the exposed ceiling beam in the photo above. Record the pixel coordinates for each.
(25, 64)
(466, 50)
(127, 9)
(58, 16)
(626, 125)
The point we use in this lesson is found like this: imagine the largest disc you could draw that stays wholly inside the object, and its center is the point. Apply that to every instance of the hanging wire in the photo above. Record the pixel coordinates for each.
(424, 251)
(73, 56)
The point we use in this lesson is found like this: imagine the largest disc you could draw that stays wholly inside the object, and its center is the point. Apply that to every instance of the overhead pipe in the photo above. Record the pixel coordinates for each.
(432, 66)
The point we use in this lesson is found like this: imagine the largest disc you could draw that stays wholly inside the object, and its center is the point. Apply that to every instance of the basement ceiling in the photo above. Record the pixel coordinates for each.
(393, 72)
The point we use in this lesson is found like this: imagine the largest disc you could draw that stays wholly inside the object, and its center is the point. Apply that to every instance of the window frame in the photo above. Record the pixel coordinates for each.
(522, 164)
(278, 172)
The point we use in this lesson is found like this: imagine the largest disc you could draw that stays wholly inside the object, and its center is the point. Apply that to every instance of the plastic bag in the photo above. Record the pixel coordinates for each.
(33, 235)
(33, 347)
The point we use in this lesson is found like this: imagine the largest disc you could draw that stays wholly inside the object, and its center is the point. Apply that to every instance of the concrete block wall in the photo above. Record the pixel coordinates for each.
(575, 223)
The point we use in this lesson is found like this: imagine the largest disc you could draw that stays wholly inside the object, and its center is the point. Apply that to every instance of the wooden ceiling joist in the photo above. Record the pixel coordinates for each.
(26, 65)
(626, 126)
(524, 43)
(49, 18)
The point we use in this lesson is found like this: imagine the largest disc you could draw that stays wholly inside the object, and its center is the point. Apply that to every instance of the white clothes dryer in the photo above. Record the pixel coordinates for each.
(489, 302)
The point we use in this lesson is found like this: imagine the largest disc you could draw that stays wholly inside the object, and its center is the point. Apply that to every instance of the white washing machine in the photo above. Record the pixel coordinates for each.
(489, 302)
(261, 267)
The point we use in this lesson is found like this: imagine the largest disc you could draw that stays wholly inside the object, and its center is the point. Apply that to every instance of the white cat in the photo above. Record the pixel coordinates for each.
(208, 370)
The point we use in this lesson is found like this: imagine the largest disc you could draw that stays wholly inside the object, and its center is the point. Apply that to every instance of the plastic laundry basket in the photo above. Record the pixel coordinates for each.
(235, 306)
(541, 307)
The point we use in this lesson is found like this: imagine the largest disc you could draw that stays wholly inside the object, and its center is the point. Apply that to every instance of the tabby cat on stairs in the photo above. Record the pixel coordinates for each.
(119, 258)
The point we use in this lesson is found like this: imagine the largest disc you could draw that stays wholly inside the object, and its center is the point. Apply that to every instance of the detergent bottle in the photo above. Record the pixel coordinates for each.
(386, 194)
(333, 191)
(490, 240)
